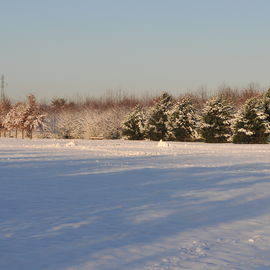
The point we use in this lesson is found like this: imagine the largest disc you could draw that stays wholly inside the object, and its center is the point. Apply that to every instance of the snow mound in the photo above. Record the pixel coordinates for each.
(71, 144)
(163, 144)
(54, 145)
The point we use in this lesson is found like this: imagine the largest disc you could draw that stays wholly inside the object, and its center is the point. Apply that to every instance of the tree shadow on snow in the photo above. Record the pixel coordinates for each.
(71, 210)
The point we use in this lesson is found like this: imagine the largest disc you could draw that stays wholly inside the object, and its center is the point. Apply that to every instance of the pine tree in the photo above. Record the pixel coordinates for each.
(251, 125)
(155, 128)
(132, 127)
(266, 104)
(216, 120)
(182, 121)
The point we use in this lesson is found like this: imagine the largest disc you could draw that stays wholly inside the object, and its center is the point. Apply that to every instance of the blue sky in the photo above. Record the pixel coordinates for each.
(83, 48)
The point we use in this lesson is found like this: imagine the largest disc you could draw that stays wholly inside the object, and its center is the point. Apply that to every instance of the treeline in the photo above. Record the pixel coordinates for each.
(21, 116)
(219, 121)
(227, 116)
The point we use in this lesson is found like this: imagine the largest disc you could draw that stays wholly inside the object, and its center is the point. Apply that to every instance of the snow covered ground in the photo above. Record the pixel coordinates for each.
(122, 205)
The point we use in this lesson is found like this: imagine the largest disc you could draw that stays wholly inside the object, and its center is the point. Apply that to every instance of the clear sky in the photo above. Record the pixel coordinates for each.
(83, 47)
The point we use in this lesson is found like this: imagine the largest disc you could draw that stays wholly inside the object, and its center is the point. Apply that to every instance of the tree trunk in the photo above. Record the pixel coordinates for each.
(16, 133)
(22, 133)
(28, 133)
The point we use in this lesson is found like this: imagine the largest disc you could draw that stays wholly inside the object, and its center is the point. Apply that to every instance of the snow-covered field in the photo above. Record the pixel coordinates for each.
(122, 205)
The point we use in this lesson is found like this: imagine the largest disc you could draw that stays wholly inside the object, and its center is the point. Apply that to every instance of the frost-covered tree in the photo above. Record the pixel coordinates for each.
(4, 109)
(182, 121)
(90, 123)
(110, 122)
(69, 125)
(14, 120)
(132, 127)
(33, 117)
(216, 120)
(157, 117)
(250, 125)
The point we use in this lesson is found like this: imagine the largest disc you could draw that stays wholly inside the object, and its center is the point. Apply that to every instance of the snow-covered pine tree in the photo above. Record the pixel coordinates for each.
(4, 109)
(266, 104)
(216, 120)
(33, 116)
(155, 127)
(250, 125)
(132, 127)
(182, 121)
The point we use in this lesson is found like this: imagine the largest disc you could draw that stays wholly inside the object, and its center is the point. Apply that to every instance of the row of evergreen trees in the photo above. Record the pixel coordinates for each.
(218, 122)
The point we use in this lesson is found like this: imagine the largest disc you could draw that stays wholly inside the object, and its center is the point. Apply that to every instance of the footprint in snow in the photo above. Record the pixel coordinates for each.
(191, 252)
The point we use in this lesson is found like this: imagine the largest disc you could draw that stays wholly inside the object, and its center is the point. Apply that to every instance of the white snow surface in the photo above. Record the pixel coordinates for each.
(122, 205)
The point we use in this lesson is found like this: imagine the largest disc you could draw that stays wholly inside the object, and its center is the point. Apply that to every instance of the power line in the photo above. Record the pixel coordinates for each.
(2, 87)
